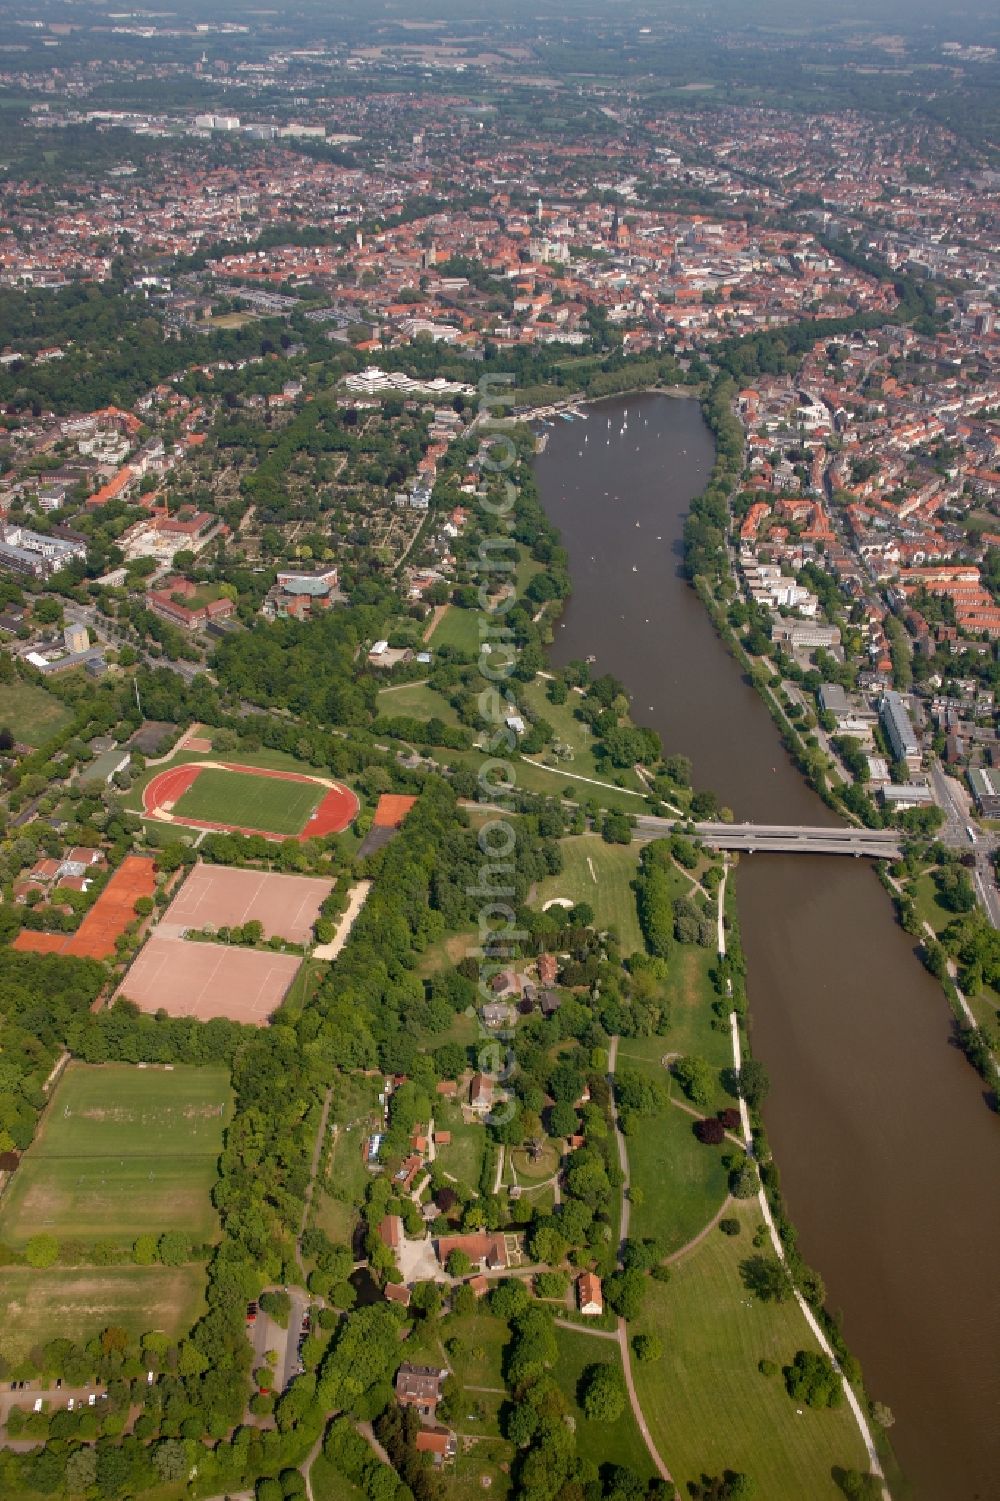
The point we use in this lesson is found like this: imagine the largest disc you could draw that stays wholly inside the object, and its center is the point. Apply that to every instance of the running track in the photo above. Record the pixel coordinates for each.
(338, 808)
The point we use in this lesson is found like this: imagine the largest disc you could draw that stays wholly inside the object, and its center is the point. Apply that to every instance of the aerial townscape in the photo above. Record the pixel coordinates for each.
(499, 751)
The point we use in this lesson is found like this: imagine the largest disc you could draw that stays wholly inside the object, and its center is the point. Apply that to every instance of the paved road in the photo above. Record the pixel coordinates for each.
(954, 802)
(880, 844)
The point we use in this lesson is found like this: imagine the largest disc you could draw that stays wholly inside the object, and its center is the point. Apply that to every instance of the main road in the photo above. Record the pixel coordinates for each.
(784, 839)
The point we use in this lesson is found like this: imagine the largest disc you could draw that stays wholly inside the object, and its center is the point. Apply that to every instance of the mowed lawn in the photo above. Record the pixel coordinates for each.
(683, 1183)
(77, 1303)
(601, 875)
(416, 701)
(617, 1443)
(271, 804)
(707, 1405)
(31, 714)
(122, 1151)
(457, 628)
(574, 732)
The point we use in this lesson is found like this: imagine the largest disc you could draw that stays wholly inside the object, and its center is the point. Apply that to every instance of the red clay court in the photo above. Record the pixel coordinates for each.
(222, 896)
(392, 809)
(108, 917)
(207, 980)
(335, 811)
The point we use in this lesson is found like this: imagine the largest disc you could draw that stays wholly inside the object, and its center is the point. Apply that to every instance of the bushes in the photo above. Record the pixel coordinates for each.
(710, 1132)
(812, 1379)
(696, 1079)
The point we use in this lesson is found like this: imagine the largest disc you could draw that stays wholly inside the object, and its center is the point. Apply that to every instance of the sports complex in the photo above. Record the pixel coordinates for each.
(186, 977)
(230, 797)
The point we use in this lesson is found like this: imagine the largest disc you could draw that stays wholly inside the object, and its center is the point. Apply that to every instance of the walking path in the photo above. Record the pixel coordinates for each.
(313, 1170)
(779, 1250)
(574, 776)
(622, 1334)
(345, 922)
(696, 1240)
(866, 1435)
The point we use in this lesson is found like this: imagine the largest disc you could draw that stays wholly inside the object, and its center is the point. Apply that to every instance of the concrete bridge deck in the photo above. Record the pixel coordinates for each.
(783, 839)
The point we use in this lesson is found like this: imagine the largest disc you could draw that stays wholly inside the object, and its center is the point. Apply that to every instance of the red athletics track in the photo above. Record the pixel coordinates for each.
(338, 808)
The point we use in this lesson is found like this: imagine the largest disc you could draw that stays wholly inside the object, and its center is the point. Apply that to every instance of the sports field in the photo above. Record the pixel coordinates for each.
(247, 801)
(206, 980)
(222, 896)
(31, 714)
(78, 1302)
(601, 875)
(121, 1151)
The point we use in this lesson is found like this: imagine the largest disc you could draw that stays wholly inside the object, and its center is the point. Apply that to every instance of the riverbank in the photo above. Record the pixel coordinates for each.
(850, 1028)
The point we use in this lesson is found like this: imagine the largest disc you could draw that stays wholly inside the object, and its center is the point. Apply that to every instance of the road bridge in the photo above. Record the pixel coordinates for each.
(782, 839)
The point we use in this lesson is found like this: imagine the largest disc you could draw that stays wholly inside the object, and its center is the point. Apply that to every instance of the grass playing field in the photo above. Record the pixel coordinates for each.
(601, 875)
(245, 801)
(78, 1302)
(31, 714)
(121, 1151)
(707, 1405)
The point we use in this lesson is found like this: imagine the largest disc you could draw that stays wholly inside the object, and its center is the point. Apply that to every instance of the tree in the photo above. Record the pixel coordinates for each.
(602, 1393)
(696, 1078)
(173, 1248)
(812, 1378)
(710, 1132)
(42, 1250)
(170, 1459)
(729, 1226)
(624, 1292)
(753, 1083)
(647, 1347)
(458, 1263)
(144, 1250)
(81, 1469)
(767, 1278)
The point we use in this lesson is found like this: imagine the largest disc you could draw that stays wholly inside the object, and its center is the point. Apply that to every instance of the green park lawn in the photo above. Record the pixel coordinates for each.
(416, 701)
(267, 803)
(601, 875)
(573, 732)
(617, 1443)
(463, 1156)
(32, 714)
(683, 1184)
(78, 1302)
(556, 781)
(457, 628)
(925, 900)
(122, 1151)
(707, 1405)
(329, 1484)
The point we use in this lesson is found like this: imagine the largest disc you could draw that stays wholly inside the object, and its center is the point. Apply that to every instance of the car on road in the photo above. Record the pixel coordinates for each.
(252, 1311)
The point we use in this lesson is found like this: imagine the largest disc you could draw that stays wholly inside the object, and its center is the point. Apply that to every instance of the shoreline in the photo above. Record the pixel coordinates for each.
(826, 1329)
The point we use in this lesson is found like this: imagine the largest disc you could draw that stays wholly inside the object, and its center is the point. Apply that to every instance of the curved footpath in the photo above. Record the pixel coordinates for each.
(622, 1334)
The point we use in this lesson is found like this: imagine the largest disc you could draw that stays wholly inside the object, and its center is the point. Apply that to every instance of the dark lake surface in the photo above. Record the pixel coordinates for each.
(889, 1158)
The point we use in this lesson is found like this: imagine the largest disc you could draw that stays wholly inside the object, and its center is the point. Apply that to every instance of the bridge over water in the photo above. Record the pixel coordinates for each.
(783, 839)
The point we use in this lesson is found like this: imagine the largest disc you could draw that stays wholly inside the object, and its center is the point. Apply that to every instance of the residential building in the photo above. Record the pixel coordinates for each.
(985, 784)
(898, 726)
(419, 1386)
(589, 1294)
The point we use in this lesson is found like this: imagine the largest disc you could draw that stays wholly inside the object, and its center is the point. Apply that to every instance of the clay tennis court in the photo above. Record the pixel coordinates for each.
(207, 980)
(392, 809)
(108, 917)
(335, 809)
(222, 896)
